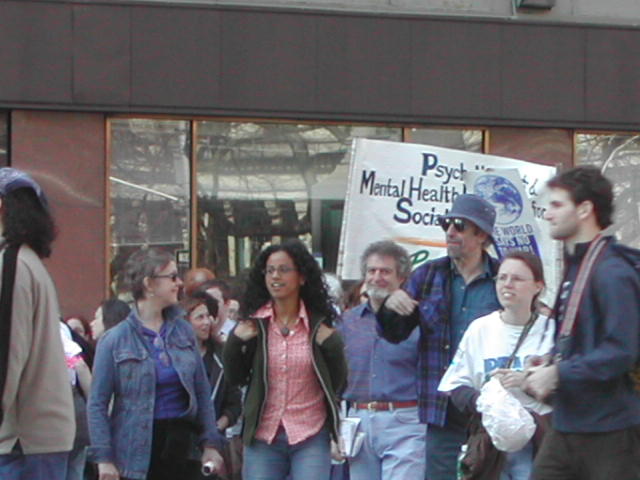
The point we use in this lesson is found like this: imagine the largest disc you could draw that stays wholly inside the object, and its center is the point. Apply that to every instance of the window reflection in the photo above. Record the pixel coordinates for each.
(257, 183)
(260, 183)
(618, 156)
(149, 187)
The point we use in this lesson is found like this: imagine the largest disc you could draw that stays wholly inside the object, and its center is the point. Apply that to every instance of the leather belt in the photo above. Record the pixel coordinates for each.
(384, 406)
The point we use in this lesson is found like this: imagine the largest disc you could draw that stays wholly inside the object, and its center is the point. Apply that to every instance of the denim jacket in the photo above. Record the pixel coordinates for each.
(125, 370)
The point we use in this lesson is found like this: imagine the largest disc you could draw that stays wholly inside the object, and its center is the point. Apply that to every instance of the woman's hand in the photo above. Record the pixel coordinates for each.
(246, 329)
(323, 333)
(212, 457)
(337, 452)
(108, 471)
(509, 378)
(223, 422)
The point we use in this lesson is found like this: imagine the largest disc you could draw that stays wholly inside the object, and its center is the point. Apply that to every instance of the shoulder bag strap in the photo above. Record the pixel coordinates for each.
(584, 273)
(523, 335)
(9, 262)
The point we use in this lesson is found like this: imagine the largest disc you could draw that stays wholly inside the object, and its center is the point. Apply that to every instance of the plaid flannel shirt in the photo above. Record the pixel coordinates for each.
(430, 285)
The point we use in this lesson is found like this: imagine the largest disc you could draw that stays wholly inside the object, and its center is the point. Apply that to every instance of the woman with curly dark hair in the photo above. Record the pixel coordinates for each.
(288, 353)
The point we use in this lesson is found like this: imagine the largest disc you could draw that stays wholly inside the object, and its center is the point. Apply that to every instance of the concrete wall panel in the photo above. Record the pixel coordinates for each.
(456, 69)
(101, 55)
(364, 64)
(175, 57)
(268, 61)
(35, 52)
(543, 73)
(613, 76)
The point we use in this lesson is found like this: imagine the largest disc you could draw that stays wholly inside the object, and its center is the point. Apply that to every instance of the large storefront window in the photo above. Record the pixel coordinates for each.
(256, 183)
(260, 183)
(618, 156)
(150, 188)
(4, 139)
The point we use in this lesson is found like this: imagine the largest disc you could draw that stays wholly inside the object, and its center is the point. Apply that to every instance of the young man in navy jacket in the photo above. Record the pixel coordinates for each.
(595, 432)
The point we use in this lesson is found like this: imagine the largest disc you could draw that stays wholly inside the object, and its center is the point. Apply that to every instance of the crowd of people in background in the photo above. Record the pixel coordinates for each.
(195, 376)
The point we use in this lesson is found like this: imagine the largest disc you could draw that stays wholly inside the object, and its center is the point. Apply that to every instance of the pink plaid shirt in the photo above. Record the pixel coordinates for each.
(294, 396)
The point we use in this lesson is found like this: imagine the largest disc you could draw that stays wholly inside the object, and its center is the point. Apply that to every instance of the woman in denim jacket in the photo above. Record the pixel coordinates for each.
(150, 366)
(293, 362)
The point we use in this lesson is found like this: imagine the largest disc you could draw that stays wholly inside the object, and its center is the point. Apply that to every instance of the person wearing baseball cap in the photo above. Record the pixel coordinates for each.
(37, 423)
(443, 296)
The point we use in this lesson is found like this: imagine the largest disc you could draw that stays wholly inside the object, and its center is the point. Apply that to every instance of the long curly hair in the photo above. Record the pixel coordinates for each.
(314, 292)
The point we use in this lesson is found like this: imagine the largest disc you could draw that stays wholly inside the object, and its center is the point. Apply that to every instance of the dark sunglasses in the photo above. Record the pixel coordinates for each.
(460, 224)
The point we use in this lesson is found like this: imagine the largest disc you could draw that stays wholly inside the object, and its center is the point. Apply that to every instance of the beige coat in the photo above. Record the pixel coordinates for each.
(37, 401)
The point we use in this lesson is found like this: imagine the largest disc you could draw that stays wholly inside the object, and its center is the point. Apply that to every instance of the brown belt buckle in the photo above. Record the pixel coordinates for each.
(371, 406)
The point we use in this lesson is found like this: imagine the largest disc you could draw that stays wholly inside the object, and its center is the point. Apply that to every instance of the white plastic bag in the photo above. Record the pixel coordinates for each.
(508, 423)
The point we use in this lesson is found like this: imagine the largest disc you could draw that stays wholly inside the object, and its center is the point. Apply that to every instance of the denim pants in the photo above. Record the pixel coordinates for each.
(76, 463)
(42, 466)
(307, 460)
(443, 445)
(393, 446)
(518, 465)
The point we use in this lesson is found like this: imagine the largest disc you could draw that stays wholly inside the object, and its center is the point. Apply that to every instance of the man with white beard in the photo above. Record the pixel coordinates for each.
(383, 376)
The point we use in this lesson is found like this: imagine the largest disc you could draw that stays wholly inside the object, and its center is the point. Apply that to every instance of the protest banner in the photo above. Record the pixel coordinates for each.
(398, 191)
(515, 227)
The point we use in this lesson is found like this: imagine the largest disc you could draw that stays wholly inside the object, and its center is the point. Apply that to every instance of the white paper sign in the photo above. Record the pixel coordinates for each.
(397, 191)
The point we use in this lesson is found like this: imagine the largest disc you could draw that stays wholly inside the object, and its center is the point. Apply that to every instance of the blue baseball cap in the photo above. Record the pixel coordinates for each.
(12, 179)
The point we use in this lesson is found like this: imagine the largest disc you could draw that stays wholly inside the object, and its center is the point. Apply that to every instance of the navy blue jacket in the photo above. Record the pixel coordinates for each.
(595, 392)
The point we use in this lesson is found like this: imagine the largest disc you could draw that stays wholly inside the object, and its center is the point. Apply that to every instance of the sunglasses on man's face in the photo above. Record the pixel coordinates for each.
(460, 224)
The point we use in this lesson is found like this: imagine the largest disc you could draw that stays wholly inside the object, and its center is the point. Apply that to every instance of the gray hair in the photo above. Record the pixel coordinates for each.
(142, 264)
(387, 248)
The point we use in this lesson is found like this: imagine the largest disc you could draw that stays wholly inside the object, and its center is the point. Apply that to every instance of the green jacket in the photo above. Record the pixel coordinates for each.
(245, 364)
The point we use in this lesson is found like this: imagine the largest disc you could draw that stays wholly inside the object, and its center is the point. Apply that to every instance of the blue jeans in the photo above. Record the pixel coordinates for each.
(443, 445)
(393, 446)
(307, 460)
(518, 465)
(42, 466)
(76, 463)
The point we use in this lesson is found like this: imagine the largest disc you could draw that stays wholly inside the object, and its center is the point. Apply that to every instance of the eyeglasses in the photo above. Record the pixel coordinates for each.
(460, 224)
(504, 278)
(173, 276)
(282, 270)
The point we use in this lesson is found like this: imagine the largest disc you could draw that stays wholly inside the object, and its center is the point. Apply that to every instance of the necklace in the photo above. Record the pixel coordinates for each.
(284, 327)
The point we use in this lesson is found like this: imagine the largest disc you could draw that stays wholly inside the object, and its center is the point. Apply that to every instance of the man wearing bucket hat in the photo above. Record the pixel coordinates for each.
(37, 423)
(442, 297)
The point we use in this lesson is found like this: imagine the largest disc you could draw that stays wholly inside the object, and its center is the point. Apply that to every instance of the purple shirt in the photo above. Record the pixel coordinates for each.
(378, 370)
(172, 400)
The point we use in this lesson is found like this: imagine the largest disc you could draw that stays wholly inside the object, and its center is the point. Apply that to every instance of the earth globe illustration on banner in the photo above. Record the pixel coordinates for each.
(502, 194)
